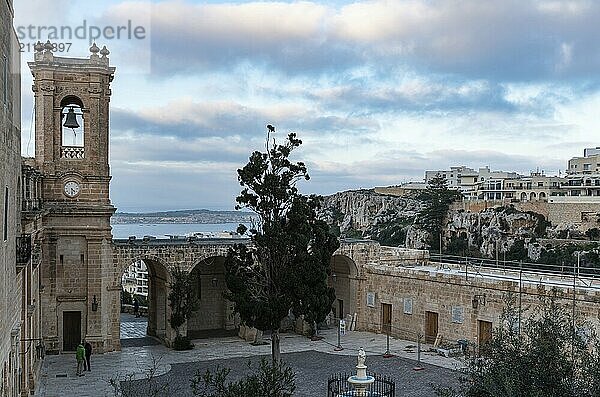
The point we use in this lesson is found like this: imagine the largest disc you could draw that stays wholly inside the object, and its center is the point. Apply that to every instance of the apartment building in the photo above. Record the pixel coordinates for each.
(135, 279)
(583, 174)
(485, 184)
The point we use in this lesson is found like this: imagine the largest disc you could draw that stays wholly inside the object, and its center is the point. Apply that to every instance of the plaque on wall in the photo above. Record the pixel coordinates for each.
(408, 306)
(458, 314)
(371, 299)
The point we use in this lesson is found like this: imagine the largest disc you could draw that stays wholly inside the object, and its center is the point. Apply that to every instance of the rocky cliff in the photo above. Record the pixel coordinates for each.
(391, 221)
(367, 214)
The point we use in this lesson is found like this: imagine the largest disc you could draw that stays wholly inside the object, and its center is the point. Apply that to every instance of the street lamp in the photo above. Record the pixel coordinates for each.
(94, 304)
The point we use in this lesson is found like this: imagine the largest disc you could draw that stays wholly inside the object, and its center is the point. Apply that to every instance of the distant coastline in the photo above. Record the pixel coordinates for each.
(201, 216)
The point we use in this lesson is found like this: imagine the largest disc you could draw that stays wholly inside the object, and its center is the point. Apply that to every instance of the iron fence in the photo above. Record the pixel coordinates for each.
(338, 386)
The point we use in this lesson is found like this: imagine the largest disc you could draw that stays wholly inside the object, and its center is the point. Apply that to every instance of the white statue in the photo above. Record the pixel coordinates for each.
(362, 357)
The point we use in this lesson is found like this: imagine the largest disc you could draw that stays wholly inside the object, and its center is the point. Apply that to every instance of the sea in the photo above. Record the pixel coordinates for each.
(161, 230)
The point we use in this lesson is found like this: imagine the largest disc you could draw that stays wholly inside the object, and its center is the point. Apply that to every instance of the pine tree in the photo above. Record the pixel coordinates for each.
(436, 202)
(287, 265)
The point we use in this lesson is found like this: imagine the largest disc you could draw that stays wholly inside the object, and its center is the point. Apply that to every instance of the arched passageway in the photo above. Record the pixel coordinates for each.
(343, 279)
(214, 315)
(146, 281)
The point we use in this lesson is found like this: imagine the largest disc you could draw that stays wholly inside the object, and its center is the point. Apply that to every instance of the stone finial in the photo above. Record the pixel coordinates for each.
(38, 47)
(48, 46)
(94, 49)
(104, 52)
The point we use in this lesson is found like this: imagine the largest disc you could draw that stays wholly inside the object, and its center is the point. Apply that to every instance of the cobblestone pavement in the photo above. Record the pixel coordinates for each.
(315, 359)
(312, 368)
(133, 327)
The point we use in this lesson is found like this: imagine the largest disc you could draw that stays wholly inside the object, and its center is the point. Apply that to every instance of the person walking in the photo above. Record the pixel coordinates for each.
(80, 355)
(136, 307)
(88, 354)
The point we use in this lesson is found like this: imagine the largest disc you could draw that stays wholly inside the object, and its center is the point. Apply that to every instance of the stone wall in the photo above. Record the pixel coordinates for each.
(444, 293)
(11, 282)
(583, 216)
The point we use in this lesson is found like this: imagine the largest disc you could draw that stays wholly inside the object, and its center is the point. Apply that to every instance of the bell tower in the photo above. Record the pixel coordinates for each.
(72, 99)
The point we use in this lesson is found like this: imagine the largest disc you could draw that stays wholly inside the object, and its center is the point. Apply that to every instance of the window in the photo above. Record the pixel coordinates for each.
(586, 167)
(540, 184)
(5, 234)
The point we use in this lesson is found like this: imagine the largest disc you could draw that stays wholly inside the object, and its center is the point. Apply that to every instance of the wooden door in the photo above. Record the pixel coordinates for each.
(484, 334)
(386, 318)
(431, 327)
(71, 330)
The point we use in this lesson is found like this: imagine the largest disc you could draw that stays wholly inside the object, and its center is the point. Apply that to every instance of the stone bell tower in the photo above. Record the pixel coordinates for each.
(71, 152)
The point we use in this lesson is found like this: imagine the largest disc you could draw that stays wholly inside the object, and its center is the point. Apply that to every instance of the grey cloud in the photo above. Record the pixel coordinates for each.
(512, 40)
(193, 120)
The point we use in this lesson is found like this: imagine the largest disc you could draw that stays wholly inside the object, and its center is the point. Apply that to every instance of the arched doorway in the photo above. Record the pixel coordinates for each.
(146, 281)
(343, 280)
(523, 196)
(532, 196)
(214, 316)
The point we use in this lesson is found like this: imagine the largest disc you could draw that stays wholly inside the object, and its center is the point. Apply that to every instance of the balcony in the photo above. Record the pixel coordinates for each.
(23, 251)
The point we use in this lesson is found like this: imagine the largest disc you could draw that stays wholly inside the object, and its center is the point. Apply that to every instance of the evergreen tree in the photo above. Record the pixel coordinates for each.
(436, 202)
(287, 265)
(182, 302)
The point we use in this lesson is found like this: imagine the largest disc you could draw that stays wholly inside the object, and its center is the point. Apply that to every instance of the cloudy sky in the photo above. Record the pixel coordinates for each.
(378, 91)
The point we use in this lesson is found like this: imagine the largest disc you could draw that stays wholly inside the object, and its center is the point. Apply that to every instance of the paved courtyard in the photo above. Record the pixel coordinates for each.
(312, 361)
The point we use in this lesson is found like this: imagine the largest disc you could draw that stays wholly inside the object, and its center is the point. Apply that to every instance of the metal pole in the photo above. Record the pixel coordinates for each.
(520, 293)
(339, 337)
(573, 315)
(419, 367)
(419, 349)
(497, 260)
(387, 353)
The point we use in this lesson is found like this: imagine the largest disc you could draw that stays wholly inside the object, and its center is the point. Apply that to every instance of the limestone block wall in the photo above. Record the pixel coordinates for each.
(10, 166)
(585, 215)
(451, 296)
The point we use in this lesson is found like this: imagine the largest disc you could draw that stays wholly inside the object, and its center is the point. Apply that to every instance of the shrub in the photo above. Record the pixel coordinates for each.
(272, 380)
(182, 343)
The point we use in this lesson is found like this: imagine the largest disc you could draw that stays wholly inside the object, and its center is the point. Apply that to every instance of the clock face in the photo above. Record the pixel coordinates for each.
(71, 189)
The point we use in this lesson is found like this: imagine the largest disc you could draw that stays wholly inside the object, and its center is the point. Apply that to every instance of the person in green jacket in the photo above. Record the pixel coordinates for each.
(80, 355)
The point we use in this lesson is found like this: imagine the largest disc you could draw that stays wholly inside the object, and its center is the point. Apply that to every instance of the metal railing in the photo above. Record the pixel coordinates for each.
(23, 250)
(338, 386)
(551, 274)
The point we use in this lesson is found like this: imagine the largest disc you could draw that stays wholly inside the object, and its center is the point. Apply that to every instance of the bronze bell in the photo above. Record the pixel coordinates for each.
(71, 121)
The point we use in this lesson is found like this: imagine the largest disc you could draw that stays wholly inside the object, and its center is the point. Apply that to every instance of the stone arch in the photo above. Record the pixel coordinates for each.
(72, 107)
(542, 196)
(343, 279)
(214, 313)
(158, 286)
(523, 196)
(532, 196)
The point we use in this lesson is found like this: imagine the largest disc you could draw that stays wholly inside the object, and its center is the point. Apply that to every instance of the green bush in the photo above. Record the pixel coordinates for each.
(182, 343)
(272, 380)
